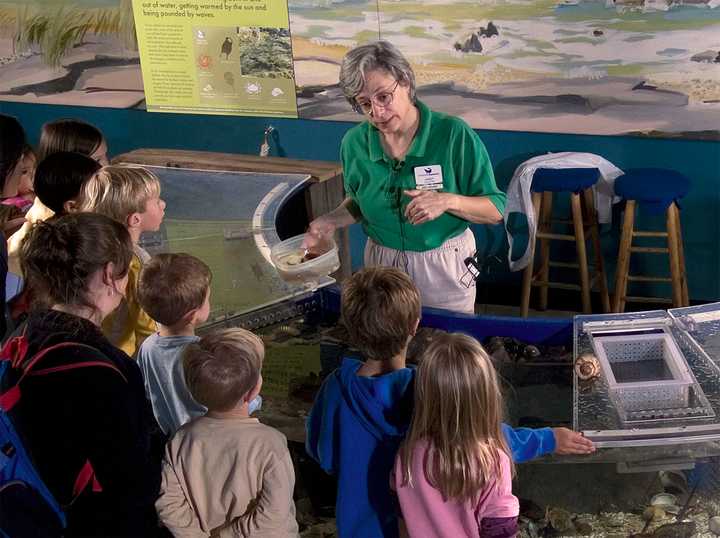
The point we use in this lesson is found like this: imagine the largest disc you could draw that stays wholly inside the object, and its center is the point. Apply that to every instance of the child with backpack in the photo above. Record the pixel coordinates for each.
(453, 473)
(72, 403)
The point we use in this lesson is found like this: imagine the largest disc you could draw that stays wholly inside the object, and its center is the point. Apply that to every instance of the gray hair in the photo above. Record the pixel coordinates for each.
(365, 58)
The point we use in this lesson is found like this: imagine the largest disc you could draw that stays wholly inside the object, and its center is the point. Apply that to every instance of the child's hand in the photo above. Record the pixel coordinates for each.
(13, 225)
(570, 442)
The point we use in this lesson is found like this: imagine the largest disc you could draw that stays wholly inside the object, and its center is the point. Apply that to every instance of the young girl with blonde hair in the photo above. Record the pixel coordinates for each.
(453, 473)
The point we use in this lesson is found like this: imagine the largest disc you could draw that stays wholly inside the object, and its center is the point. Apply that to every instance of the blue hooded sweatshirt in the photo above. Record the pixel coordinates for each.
(354, 431)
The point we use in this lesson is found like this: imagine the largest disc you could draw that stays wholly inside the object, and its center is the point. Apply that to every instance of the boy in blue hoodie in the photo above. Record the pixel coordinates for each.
(363, 410)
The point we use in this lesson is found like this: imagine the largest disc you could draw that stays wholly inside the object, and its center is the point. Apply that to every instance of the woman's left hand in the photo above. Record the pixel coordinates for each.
(425, 205)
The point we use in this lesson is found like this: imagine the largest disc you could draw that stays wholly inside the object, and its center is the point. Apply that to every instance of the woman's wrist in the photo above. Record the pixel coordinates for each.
(453, 202)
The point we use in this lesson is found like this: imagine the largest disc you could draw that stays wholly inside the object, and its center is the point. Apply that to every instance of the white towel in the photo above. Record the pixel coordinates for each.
(519, 198)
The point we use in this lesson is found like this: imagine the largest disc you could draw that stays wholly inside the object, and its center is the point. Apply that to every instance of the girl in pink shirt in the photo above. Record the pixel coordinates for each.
(453, 474)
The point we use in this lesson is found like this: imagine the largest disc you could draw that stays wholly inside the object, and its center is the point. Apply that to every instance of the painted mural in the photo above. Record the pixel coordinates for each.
(645, 67)
(78, 53)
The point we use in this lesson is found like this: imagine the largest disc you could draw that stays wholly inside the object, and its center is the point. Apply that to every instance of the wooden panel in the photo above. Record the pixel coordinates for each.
(318, 170)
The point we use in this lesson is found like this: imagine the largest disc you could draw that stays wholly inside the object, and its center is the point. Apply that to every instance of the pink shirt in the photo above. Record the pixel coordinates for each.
(426, 514)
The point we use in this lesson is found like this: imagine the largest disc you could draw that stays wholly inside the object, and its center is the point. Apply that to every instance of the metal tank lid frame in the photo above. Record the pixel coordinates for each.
(691, 337)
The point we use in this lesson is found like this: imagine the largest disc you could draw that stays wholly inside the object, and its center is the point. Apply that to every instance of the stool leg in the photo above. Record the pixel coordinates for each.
(545, 225)
(683, 271)
(623, 260)
(581, 252)
(673, 243)
(528, 273)
(599, 262)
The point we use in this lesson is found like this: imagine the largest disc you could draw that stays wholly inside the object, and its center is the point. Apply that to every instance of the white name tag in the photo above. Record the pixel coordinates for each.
(428, 178)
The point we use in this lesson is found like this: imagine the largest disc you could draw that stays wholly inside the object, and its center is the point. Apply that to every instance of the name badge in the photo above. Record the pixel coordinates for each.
(428, 178)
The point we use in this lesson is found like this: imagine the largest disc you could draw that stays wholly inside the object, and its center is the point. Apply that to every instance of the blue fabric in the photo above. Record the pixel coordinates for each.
(527, 443)
(160, 361)
(15, 462)
(354, 431)
(547, 331)
(564, 179)
(654, 188)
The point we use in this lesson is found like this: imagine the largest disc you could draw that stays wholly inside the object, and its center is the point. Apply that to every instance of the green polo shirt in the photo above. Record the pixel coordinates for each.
(376, 182)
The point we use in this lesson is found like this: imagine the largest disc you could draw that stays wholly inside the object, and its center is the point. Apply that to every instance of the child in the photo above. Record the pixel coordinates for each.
(363, 409)
(73, 135)
(174, 289)
(25, 195)
(453, 474)
(226, 474)
(58, 136)
(131, 196)
(60, 177)
(58, 180)
(12, 149)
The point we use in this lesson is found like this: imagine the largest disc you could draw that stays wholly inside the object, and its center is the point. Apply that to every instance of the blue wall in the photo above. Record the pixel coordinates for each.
(699, 160)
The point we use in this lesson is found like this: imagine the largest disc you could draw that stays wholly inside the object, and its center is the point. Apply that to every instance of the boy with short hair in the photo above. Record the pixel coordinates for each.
(363, 409)
(225, 474)
(174, 289)
(130, 195)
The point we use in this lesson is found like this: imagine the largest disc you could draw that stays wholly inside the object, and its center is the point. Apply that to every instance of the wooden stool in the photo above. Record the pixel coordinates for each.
(656, 190)
(578, 182)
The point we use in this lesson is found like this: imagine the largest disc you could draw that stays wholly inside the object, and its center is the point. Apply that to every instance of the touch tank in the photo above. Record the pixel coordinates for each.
(231, 220)
(660, 382)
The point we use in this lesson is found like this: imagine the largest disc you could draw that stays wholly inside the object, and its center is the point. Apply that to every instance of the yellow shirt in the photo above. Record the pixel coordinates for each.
(128, 325)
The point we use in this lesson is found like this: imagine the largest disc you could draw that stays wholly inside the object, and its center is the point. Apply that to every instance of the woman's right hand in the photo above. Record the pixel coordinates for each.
(319, 230)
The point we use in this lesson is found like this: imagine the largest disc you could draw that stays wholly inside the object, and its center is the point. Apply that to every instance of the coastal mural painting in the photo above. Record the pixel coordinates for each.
(645, 67)
(75, 53)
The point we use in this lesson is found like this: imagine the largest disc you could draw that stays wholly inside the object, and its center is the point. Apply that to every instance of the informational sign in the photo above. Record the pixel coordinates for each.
(216, 56)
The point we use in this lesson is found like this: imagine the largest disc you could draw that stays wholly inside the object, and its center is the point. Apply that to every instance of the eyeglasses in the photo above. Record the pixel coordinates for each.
(382, 99)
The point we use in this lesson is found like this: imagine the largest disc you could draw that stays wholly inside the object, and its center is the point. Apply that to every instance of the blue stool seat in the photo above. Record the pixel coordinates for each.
(653, 188)
(576, 183)
(564, 179)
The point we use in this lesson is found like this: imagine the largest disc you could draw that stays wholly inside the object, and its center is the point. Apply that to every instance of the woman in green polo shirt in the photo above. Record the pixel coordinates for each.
(414, 178)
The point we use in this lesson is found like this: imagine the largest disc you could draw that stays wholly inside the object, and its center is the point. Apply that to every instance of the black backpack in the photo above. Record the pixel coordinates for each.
(27, 508)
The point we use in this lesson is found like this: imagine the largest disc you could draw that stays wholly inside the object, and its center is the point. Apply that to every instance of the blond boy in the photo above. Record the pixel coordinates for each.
(130, 195)
(225, 474)
(174, 289)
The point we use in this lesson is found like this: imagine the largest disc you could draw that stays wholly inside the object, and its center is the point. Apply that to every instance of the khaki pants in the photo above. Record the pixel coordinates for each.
(436, 272)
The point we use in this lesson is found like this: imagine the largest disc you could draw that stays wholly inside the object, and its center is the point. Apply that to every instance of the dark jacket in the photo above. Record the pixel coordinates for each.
(3, 279)
(91, 414)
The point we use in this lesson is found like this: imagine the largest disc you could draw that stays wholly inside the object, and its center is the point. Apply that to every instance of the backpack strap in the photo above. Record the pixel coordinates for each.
(83, 480)
(14, 351)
